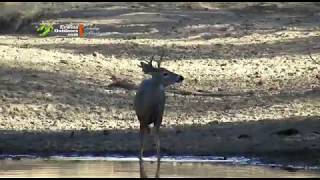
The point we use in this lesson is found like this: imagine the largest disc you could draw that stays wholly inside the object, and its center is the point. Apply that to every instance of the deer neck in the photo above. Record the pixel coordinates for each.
(158, 81)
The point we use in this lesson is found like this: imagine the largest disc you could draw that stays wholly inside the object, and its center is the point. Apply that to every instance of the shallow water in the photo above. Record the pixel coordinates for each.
(129, 167)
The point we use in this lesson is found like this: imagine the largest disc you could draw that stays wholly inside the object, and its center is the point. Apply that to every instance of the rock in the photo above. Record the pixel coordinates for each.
(243, 136)
(39, 87)
(178, 131)
(50, 108)
(289, 169)
(288, 132)
(16, 158)
(64, 61)
(213, 123)
(35, 75)
(227, 107)
(259, 83)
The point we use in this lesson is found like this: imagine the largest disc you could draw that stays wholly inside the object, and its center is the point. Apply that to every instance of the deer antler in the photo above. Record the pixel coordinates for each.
(161, 57)
(147, 66)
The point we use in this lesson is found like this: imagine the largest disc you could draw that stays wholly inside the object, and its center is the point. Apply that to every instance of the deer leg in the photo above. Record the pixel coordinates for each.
(142, 139)
(157, 139)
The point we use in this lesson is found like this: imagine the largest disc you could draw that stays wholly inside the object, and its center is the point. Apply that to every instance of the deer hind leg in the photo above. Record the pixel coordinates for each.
(142, 142)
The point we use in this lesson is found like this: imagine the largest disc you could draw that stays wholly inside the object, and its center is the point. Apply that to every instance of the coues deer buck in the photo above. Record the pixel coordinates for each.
(149, 104)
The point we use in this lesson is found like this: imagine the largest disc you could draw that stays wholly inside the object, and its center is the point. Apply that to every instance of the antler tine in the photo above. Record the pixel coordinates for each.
(151, 59)
(147, 62)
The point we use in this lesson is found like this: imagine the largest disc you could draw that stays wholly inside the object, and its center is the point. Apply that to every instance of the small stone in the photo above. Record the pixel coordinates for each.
(178, 131)
(243, 136)
(227, 107)
(288, 132)
(259, 83)
(16, 158)
(64, 61)
(50, 108)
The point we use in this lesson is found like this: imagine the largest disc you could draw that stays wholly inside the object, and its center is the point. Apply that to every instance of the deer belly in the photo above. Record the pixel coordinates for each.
(155, 119)
(153, 115)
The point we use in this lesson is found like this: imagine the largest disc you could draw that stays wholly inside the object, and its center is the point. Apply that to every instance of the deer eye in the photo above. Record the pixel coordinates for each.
(165, 74)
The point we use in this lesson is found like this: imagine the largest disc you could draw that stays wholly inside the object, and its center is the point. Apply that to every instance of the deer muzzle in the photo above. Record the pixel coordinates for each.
(180, 79)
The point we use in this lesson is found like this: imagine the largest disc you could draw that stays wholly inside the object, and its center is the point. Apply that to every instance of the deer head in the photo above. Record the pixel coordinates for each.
(167, 77)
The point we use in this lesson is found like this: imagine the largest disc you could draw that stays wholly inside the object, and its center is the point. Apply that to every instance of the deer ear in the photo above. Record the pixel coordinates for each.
(147, 67)
(141, 64)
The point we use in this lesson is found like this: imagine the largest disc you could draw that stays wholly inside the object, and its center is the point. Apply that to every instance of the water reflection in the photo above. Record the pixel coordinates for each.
(96, 168)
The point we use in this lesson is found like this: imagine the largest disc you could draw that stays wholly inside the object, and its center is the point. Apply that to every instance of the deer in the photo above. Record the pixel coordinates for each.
(149, 104)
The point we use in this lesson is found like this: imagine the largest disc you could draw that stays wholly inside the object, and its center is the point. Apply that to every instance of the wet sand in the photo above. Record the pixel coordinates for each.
(99, 168)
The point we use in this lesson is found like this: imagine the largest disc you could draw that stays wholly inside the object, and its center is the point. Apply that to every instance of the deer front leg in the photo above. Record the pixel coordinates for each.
(157, 139)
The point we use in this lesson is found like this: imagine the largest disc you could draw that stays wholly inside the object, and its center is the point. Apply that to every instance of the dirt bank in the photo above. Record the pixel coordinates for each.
(251, 81)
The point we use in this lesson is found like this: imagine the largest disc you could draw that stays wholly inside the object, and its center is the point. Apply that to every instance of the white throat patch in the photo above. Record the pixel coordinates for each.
(161, 87)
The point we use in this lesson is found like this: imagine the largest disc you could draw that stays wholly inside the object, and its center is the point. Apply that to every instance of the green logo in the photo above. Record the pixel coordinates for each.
(44, 29)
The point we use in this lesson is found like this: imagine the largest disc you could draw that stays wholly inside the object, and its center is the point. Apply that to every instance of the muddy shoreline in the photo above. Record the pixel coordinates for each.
(271, 144)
